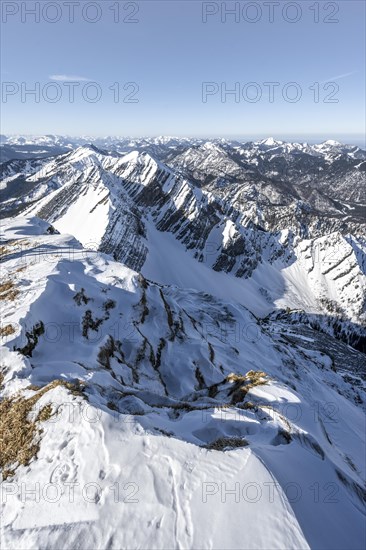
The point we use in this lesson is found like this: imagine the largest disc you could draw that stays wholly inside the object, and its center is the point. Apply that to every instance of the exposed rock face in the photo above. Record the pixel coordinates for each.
(313, 190)
(237, 209)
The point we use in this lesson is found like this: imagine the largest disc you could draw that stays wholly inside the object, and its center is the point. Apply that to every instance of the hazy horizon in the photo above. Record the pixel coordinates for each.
(184, 68)
(346, 139)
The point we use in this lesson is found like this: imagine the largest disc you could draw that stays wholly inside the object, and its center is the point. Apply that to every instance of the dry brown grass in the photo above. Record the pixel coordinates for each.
(242, 384)
(19, 435)
(7, 285)
(33, 387)
(8, 290)
(76, 388)
(23, 242)
(7, 330)
(4, 251)
(45, 413)
(250, 375)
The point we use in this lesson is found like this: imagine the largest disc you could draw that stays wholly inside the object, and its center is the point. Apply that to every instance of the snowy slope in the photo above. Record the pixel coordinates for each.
(182, 344)
(152, 219)
(155, 443)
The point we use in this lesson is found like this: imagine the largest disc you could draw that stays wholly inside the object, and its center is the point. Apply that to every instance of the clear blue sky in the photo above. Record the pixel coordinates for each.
(169, 53)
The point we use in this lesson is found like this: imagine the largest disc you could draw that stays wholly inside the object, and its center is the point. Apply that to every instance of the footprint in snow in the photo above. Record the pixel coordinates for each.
(61, 473)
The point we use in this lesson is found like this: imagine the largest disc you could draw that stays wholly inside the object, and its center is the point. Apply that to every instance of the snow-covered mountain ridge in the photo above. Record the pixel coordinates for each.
(183, 345)
(148, 215)
(276, 184)
(141, 387)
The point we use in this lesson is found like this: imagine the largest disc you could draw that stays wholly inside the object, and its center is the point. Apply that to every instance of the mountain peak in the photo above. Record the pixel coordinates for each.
(331, 143)
(270, 141)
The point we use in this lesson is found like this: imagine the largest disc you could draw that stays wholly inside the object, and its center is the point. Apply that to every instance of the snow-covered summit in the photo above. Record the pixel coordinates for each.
(183, 344)
(144, 396)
